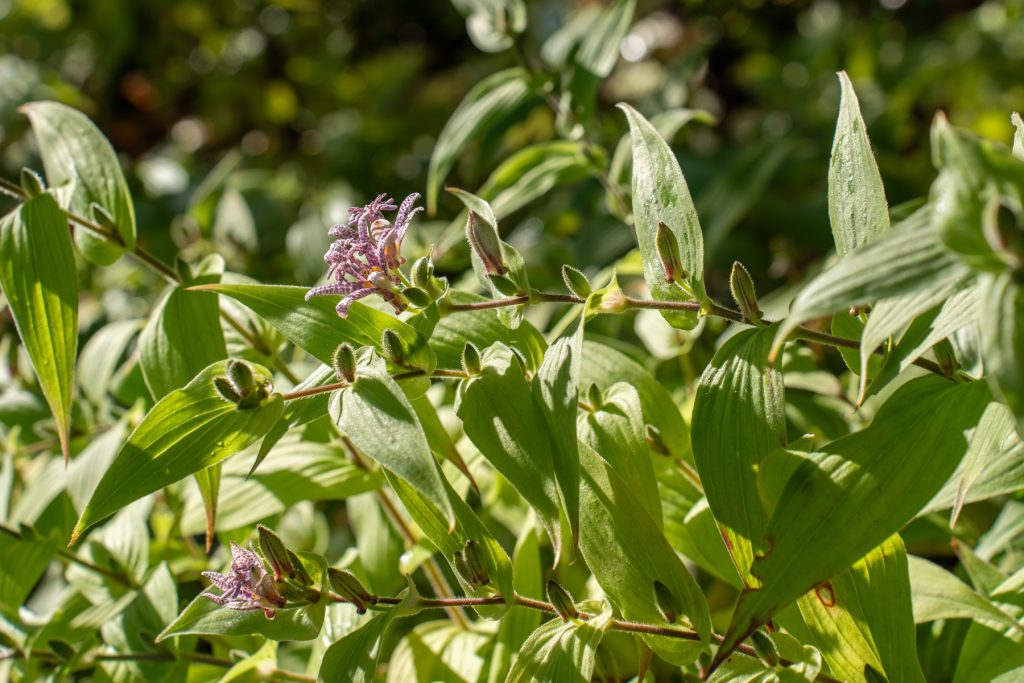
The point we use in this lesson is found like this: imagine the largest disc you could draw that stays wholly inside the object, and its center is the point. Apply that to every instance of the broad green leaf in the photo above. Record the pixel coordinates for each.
(627, 552)
(304, 622)
(510, 316)
(439, 652)
(354, 657)
(98, 361)
(531, 173)
(438, 438)
(599, 49)
(449, 540)
(738, 419)
(40, 283)
(1018, 135)
(299, 411)
(988, 652)
(181, 338)
(852, 488)
(485, 108)
(863, 616)
(244, 670)
(940, 595)
(188, 430)
(560, 651)
(865, 364)
(691, 528)
(616, 432)
(315, 326)
(517, 624)
(605, 365)
(501, 417)
(1002, 337)
(556, 388)
(76, 154)
(857, 208)
(909, 258)
(379, 419)
(660, 195)
(27, 560)
(482, 328)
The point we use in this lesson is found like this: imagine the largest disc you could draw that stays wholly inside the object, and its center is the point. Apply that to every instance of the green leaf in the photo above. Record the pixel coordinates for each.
(482, 328)
(98, 361)
(492, 24)
(299, 411)
(531, 173)
(354, 657)
(908, 258)
(627, 553)
(449, 540)
(77, 155)
(315, 326)
(863, 616)
(599, 50)
(40, 282)
(616, 433)
(438, 438)
(738, 419)
(556, 388)
(203, 617)
(940, 595)
(485, 108)
(866, 364)
(856, 197)
(439, 652)
(188, 430)
(501, 417)
(1002, 340)
(1018, 135)
(660, 195)
(181, 338)
(379, 419)
(517, 625)
(208, 481)
(852, 488)
(18, 578)
(560, 651)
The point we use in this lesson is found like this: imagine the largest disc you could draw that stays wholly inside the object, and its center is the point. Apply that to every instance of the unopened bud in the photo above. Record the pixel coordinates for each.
(477, 563)
(300, 573)
(241, 378)
(743, 292)
(667, 602)
(462, 567)
(485, 243)
(346, 585)
(391, 347)
(946, 357)
(471, 359)
(504, 285)
(275, 554)
(226, 389)
(344, 362)
(595, 397)
(32, 183)
(576, 282)
(417, 297)
(873, 675)
(102, 217)
(561, 601)
(421, 272)
(765, 647)
(667, 247)
(655, 440)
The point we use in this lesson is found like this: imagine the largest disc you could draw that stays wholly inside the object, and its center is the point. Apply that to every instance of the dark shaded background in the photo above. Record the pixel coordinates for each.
(308, 106)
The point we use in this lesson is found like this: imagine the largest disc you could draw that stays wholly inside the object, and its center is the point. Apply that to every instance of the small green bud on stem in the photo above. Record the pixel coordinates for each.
(471, 359)
(345, 584)
(504, 285)
(576, 282)
(945, 355)
(561, 601)
(485, 243)
(667, 247)
(765, 647)
(32, 183)
(595, 397)
(344, 362)
(476, 562)
(667, 602)
(744, 293)
(391, 347)
(655, 440)
(275, 553)
(300, 573)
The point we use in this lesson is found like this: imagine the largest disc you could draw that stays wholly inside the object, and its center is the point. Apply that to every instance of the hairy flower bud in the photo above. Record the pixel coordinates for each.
(226, 389)
(417, 297)
(873, 675)
(476, 562)
(32, 183)
(667, 602)
(561, 601)
(301, 575)
(241, 378)
(391, 347)
(462, 567)
(765, 647)
(483, 239)
(102, 217)
(667, 247)
(276, 555)
(655, 440)
(345, 584)
(504, 285)
(743, 292)
(946, 357)
(471, 359)
(344, 362)
(576, 282)
(595, 397)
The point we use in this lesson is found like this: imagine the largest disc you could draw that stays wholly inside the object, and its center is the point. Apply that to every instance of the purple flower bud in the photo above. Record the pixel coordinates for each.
(247, 586)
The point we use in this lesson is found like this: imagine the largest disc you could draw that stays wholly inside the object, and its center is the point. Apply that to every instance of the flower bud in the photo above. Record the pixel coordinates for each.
(595, 397)
(765, 647)
(275, 553)
(655, 440)
(576, 282)
(301, 575)
(344, 362)
(667, 602)
(873, 675)
(102, 217)
(504, 285)
(32, 183)
(345, 584)
(241, 378)
(391, 347)
(226, 389)
(667, 247)
(561, 601)
(946, 357)
(462, 567)
(485, 243)
(743, 292)
(471, 359)
(421, 272)
(477, 563)
(417, 297)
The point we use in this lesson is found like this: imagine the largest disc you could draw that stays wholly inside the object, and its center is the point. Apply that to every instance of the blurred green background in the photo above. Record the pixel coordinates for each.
(248, 127)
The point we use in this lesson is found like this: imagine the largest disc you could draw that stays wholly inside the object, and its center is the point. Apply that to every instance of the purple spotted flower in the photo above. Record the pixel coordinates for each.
(247, 586)
(366, 254)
